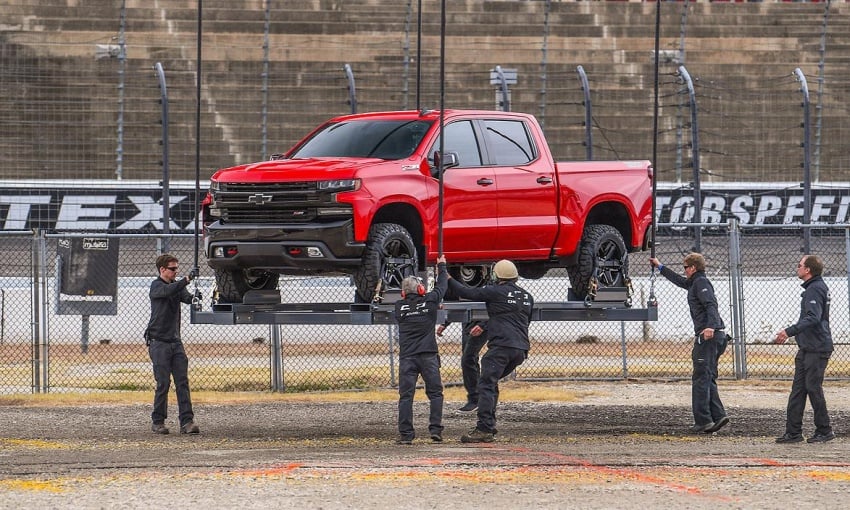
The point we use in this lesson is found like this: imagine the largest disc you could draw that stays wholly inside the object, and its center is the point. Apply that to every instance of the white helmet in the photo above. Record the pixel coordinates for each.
(505, 270)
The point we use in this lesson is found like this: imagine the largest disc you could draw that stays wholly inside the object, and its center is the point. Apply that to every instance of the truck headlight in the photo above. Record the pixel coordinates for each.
(338, 185)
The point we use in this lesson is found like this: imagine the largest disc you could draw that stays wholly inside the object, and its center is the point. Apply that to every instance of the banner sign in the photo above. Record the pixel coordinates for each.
(754, 204)
(113, 208)
(117, 207)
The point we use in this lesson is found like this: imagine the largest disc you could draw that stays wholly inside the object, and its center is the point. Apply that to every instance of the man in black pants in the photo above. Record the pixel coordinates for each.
(509, 309)
(472, 340)
(814, 343)
(416, 314)
(709, 342)
(166, 348)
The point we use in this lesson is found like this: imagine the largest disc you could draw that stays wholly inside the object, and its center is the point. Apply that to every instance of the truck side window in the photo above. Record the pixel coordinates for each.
(460, 138)
(508, 142)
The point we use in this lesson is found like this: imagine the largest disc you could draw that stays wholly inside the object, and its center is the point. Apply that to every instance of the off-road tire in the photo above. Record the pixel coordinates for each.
(386, 241)
(603, 257)
(232, 284)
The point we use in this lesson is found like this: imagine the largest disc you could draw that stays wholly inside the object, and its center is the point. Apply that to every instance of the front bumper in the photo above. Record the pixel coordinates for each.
(283, 248)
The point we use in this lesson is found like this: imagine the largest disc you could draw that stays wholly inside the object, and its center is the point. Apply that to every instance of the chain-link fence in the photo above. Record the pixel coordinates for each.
(78, 82)
(59, 333)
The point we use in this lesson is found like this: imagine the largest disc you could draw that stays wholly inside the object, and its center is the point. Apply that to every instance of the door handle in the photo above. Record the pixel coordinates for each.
(484, 182)
(544, 180)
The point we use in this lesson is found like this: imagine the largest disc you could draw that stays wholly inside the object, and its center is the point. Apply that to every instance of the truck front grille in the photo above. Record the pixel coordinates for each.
(292, 202)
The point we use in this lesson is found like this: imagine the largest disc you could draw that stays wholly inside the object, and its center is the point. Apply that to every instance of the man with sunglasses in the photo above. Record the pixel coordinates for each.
(709, 342)
(165, 347)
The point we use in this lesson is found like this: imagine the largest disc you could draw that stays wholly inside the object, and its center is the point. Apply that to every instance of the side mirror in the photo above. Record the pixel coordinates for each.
(450, 160)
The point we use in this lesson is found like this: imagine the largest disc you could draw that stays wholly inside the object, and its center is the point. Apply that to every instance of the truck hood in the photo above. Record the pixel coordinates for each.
(283, 170)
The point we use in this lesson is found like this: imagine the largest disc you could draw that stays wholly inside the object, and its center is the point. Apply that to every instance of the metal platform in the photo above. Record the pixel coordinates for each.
(604, 309)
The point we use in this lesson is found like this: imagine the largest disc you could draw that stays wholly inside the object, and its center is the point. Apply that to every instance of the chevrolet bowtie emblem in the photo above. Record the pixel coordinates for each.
(259, 199)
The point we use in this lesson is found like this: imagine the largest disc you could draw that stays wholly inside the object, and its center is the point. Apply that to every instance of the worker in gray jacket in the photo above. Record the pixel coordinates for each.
(709, 342)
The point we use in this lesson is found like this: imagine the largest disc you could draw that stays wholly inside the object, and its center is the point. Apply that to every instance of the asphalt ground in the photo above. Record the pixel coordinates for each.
(560, 445)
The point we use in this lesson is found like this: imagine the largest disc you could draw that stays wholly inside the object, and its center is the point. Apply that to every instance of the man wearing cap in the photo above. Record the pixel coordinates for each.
(509, 309)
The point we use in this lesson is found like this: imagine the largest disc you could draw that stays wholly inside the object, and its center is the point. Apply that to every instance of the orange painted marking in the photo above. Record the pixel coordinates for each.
(271, 471)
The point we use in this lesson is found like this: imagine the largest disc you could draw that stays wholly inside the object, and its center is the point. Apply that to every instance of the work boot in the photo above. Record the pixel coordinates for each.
(190, 428)
(696, 429)
(719, 424)
(821, 438)
(469, 406)
(159, 428)
(477, 436)
(789, 438)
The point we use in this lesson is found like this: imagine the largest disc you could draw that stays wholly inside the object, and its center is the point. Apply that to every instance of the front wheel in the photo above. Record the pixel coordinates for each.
(603, 260)
(389, 258)
(232, 284)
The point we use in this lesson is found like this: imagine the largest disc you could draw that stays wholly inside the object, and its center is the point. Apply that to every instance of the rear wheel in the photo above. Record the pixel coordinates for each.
(232, 284)
(471, 276)
(389, 258)
(602, 260)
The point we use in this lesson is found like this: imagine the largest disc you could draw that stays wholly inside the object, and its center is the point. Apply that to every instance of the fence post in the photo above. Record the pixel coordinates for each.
(391, 343)
(166, 208)
(686, 77)
(624, 350)
(588, 113)
(736, 300)
(352, 91)
(122, 64)
(544, 63)
(35, 332)
(847, 258)
(503, 88)
(807, 171)
(277, 356)
(264, 120)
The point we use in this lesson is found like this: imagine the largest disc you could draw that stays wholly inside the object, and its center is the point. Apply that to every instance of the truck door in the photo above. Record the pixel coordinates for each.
(526, 190)
(469, 190)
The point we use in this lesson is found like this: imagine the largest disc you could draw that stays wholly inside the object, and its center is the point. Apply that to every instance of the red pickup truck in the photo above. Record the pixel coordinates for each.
(359, 195)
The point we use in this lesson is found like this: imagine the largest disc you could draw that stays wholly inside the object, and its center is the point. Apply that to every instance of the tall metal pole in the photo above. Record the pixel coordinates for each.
(264, 121)
(442, 123)
(588, 113)
(503, 86)
(406, 56)
(692, 96)
(352, 91)
(199, 70)
(807, 168)
(419, 55)
(543, 64)
(652, 300)
(122, 64)
(819, 108)
(166, 177)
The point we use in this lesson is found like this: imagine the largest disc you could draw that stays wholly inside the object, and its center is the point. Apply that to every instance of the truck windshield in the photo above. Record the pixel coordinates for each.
(384, 139)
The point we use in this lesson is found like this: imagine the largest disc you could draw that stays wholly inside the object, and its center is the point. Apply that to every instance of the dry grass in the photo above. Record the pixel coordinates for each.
(510, 391)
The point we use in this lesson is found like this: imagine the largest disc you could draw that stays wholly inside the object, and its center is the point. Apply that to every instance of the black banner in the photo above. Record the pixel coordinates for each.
(121, 207)
(755, 204)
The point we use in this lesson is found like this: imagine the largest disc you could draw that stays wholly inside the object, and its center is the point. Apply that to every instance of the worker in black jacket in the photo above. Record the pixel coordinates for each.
(416, 314)
(509, 309)
(165, 346)
(709, 342)
(814, 348)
